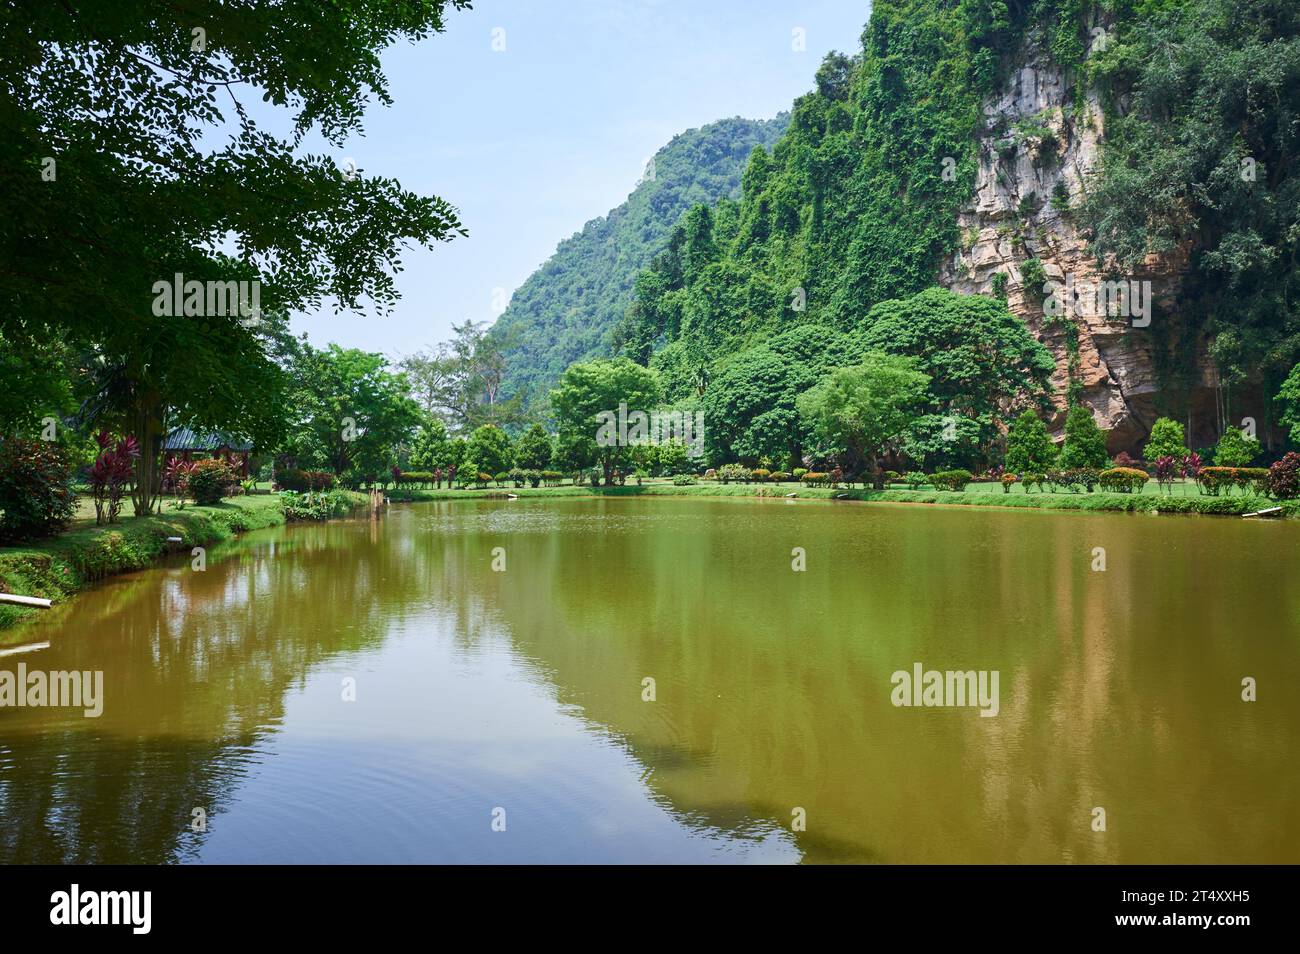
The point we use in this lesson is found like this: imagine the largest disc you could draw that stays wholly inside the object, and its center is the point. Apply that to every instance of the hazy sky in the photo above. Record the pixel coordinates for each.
(533, 141)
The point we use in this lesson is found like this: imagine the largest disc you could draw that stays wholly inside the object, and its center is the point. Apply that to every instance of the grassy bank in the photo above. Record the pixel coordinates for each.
(57, 568)
(1179, 500)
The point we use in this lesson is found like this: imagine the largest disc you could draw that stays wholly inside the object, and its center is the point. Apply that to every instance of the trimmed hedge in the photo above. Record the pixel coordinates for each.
(950, 479)
(1124, 480)
(302, 481)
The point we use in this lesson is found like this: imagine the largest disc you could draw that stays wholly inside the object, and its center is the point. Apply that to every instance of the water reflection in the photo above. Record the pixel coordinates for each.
(522, 690)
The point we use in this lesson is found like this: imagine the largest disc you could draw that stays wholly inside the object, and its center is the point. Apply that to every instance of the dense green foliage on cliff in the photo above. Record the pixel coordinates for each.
(857, 204)
(567, 309)
(1199, 158)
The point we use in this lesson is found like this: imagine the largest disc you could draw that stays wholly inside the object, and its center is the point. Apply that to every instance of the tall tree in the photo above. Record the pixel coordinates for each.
(589, 392)
(129, 158)
(859, 409)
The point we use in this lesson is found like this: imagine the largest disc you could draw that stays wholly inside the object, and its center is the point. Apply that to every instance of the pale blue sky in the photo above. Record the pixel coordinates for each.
(533, 141)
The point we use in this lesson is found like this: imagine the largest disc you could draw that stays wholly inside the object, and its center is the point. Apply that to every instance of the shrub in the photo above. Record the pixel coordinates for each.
(1166, 470)
(1166, 440)
(1124, 480)
(891, 476)
(915, 479)
(503, 478)
(175, 475)
(684, 480)
(1124, 459)
(710, 474)
(1192, 466)
(532, 476)
(303, 481)
(1029, 446)
(1085, 444)
(417, 477)
(111, 475)
(1284, 477)
(1212, 479)
(210, 480)
(1235, 449)
(950, 479)
(552, 478)
(314, 505)
(760, 474)
(814, 479)
(1085, 477)
(1032, 480)
(1007, 481)
(729, 472)
(798, 472)
(36, 496)
(1056, 480)
(779, 477)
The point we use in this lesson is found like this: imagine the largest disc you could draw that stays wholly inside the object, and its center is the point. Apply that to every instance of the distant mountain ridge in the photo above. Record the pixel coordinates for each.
(566, 310)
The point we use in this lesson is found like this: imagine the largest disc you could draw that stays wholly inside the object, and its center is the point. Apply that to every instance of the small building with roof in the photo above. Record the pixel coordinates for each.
(187, 445)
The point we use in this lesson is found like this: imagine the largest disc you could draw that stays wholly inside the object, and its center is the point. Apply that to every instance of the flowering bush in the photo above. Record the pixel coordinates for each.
(36, 498)
(1007, 481)
(111, 475)
(1032, 480)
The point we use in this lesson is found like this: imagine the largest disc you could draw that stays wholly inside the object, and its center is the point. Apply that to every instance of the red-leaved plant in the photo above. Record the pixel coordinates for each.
(111, 475)
(176, 475)
(1166, 471)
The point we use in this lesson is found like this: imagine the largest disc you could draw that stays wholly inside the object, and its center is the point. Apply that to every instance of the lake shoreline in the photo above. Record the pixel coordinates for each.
(1230, 505)
(62, 567)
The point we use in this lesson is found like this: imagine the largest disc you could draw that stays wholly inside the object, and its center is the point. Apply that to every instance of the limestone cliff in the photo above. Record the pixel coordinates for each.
(1036, 151)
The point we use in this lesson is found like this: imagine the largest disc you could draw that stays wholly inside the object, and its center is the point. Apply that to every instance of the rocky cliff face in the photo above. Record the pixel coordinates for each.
(1034, 156)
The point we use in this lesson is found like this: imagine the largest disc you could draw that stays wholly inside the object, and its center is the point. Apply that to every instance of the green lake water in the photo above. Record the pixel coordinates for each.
(515, 698)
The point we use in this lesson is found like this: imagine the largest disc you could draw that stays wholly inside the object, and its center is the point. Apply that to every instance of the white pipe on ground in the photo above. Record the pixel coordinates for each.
(24, 600)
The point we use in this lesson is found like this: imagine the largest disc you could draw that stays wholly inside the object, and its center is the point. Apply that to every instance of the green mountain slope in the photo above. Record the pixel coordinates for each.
(567, 309)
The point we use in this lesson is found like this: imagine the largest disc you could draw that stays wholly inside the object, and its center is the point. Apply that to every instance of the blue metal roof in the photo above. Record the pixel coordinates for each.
(187, 439)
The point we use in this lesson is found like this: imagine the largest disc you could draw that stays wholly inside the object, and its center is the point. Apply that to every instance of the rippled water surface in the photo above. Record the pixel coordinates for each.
(518, 695)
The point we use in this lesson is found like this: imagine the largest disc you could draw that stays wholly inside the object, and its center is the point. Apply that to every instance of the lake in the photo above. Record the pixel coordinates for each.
(467, 682)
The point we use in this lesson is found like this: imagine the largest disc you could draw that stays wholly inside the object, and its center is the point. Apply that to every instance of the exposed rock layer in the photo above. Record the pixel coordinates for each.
(1035, 154)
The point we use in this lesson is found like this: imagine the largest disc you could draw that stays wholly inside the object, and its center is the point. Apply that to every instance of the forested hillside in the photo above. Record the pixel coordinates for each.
(861, 204)
(567, 309)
